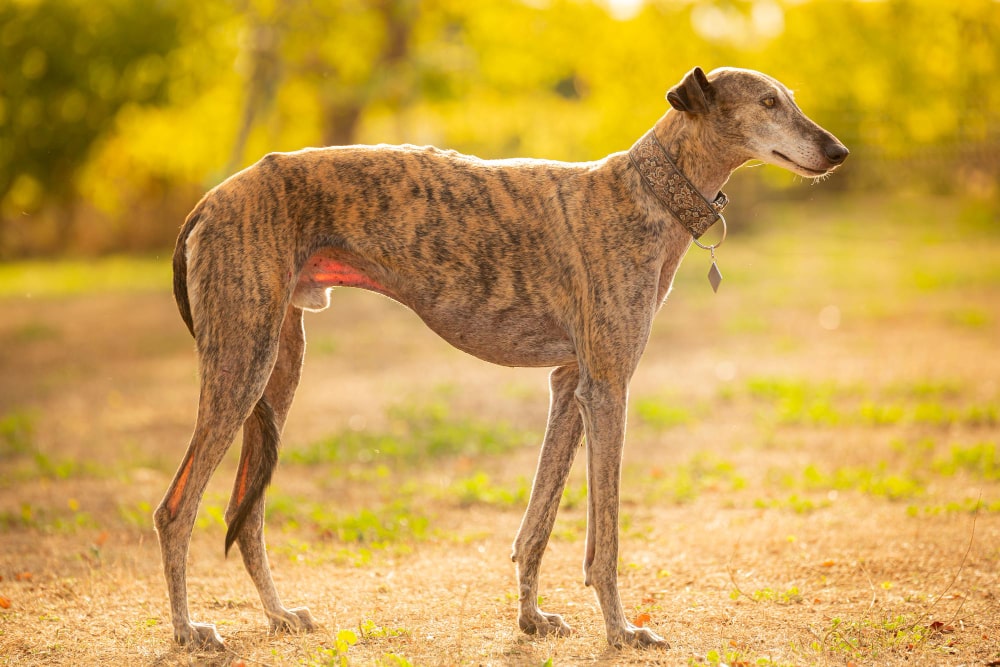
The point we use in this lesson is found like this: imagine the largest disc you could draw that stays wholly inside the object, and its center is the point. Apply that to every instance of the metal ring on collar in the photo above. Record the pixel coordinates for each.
(716, 245)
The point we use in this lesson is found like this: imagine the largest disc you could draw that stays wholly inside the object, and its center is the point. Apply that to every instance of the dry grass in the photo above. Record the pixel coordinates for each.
(795, 492)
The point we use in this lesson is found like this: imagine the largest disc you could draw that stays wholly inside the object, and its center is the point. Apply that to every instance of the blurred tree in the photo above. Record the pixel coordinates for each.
(909, 85)
(69, 67)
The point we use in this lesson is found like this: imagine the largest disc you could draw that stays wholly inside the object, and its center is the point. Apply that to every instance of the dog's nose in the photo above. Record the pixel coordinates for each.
(836, 153)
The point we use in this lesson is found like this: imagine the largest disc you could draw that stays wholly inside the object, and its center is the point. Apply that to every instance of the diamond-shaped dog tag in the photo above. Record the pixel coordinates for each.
(714, 277)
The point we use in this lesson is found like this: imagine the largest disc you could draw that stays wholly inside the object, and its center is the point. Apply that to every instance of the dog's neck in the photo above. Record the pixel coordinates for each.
(684, 170)
(673, 188)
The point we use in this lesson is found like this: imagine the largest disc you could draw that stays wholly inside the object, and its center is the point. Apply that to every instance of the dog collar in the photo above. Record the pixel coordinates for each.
(672, 187)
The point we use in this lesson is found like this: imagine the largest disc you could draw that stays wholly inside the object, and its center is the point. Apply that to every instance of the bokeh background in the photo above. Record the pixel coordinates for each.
(115, 115)
(812, 473)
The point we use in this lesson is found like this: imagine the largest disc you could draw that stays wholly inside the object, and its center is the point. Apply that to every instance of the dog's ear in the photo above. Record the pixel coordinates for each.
(692, 94)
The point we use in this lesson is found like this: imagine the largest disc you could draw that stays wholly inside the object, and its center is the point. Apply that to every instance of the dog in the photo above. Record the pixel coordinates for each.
(520, 262)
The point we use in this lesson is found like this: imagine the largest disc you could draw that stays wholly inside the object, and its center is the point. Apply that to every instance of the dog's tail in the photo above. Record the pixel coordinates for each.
(258, 475)
(180, 267)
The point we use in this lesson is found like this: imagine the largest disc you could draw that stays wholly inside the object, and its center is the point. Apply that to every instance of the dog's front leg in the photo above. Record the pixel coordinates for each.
(562, 438)
(603, 404)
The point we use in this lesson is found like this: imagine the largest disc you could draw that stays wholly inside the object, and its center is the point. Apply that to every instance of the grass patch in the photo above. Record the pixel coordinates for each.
(799, 403)
(661, 416)
(49, 519)
(79, 277)
(871, 638)
(415, 434)
(873, 481)
(374, 528)
(22, 459)
(794, 503)
(683, 484)
(480, 490)
(17, 435)
(790, 596)
(967, 506)
(979, 459)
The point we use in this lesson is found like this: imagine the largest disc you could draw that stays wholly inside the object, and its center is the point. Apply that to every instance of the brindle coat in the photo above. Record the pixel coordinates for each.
(518, 262)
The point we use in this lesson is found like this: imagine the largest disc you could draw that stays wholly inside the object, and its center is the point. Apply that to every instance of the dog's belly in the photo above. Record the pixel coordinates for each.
(513, 335)
(507, 338)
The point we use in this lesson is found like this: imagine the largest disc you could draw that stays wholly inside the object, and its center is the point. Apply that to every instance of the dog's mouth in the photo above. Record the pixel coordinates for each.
(800, 168)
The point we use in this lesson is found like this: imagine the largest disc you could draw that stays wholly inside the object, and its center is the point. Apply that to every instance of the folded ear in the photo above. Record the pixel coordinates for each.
(692, 94)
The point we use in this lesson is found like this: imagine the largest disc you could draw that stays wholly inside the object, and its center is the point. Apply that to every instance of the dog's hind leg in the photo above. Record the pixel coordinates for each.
(249, 532)
(562, 438)
(236, 361)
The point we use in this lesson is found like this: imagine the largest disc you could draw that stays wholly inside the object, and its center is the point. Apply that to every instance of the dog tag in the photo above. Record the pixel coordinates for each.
(714, 275)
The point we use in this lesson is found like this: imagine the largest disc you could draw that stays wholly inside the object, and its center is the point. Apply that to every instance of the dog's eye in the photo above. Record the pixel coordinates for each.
(769, 102)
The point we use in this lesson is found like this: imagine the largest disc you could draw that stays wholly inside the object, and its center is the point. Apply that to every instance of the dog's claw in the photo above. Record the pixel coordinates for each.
(539, 623)
(638, 638)
(199, 636)
(293, 620)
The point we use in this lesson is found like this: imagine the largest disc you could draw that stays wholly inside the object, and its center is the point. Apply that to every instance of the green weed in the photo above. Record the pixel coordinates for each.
(416, 434)
(877, 481)
(23, 459)
(210, 515)
(871, 638)
(790, 596)
(374, 529)
(980, 459)
(574, 496)
(17, 435)
(967, 506)
(137, 515)
(34, 332)
(794, 503)
(335, 656)
(686, 482)
(480, 490)
(661, 416)
(800, 403)
(369, 630)
(49, 519)
(970, 318)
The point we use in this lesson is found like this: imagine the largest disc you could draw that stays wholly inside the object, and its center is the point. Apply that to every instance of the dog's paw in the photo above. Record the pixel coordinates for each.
(537, 622)
(292, 620)
(637, 637)
(199, 636)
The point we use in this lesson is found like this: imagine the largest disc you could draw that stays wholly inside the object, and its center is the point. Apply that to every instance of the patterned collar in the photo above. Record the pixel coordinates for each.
(672, 187)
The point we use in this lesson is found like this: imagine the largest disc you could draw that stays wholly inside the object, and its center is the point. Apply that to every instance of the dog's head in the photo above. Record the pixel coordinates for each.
(756, 117)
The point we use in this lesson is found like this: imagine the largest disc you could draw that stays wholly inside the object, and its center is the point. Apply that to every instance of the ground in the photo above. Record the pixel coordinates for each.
(811, 474)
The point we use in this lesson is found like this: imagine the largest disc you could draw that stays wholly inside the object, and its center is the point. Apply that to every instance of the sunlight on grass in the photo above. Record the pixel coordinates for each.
(416, 433)
(29, 279)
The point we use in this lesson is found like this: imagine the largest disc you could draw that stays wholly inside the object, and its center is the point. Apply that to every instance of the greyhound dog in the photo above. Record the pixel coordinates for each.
(519, 262)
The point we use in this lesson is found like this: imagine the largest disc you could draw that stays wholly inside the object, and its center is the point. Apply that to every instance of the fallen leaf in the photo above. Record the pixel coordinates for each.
(828, 563)
(642, 619)
(938, 626)
(23, 576)
(648, 600)
(101, 539)
(4, 602)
